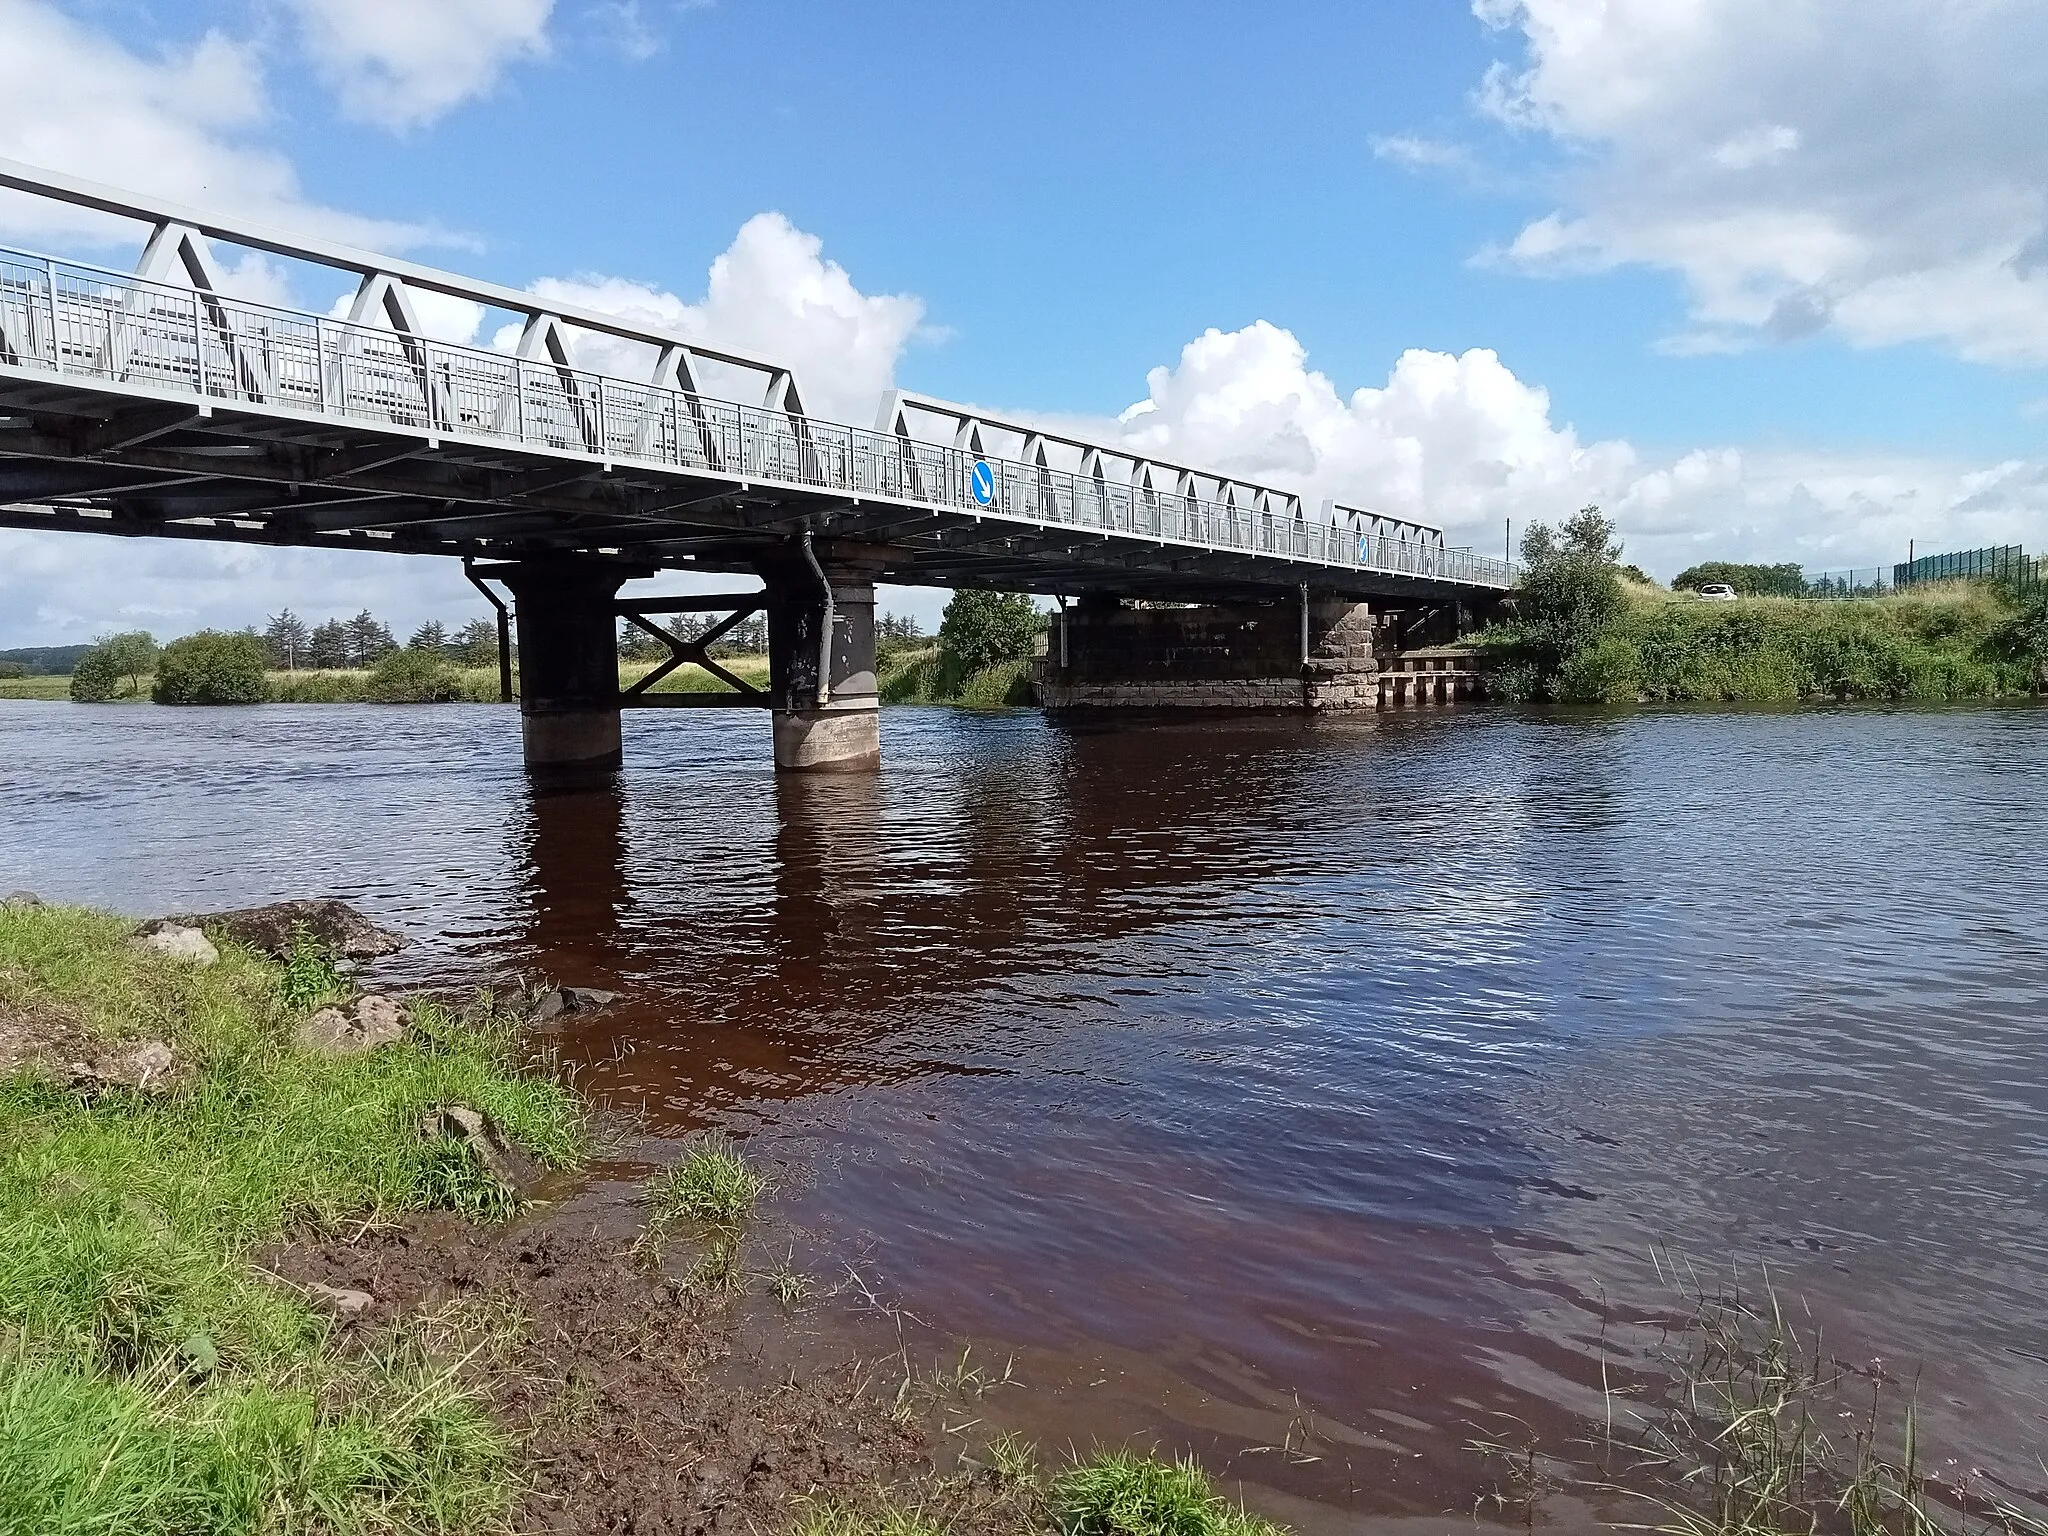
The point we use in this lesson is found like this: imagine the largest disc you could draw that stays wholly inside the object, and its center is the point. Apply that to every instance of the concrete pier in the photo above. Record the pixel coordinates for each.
(837, 728)
(568, 660)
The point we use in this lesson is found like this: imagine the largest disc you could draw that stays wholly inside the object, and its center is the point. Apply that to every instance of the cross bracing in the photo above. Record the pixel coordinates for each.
(153, 402)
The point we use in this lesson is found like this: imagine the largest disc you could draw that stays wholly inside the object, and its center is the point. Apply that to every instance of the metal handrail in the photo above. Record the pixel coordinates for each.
(77, 319)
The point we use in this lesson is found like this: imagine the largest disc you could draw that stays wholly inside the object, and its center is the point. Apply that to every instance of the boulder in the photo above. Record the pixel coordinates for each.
(335, 926)
(176, 941)
(21, 899)
(570, 1000)
(372, 1022)
(508, 1165)
(338, 1301)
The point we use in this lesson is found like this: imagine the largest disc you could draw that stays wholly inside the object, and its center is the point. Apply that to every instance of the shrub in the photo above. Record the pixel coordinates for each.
(1609, 671)
(211, 668)
(981, 629)
(114, 667)
(1571, 592)
(413, 677)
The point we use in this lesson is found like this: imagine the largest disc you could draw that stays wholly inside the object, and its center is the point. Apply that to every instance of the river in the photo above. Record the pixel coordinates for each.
(1311, 1095)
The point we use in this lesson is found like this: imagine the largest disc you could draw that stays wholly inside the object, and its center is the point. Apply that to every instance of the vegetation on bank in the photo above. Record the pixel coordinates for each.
(1583, 634)
(155, 1380)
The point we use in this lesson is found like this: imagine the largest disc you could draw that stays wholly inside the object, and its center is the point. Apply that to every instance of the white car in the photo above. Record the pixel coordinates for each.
(1717, 592)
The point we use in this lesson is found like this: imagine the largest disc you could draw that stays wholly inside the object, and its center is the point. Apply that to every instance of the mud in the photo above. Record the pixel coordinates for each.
(645, 1404)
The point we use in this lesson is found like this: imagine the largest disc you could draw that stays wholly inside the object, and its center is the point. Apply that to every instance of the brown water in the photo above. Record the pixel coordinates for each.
(1321, 1087)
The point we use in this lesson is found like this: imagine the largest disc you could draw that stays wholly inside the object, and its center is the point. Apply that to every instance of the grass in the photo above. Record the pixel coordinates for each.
(154, 1379)
(711, 1183)
(834, 1518)
(1123, 1493)
(931, 676)
(1934, 643)
(692, 679)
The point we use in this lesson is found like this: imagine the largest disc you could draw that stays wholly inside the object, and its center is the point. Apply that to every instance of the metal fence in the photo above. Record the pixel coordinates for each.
(2008, 564)
(90, 322)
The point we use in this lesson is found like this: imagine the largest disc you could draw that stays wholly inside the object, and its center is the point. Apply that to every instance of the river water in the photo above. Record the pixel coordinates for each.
(1309, 1095)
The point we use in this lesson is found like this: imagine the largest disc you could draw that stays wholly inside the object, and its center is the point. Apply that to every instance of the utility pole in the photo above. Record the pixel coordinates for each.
(1507, 548)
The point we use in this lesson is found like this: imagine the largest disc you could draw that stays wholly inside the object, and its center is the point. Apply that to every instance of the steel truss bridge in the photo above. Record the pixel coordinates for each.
(155, 402)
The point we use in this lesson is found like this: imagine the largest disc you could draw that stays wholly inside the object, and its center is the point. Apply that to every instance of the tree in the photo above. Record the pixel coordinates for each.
(114, 667)
(1571, 592)
(368, 640)
(327, 647)
(212, 668)
(1787, 580)
(635, 644)
(476, 644)
(896, 632)
(980, 629)
(287, 639)
(430, 638)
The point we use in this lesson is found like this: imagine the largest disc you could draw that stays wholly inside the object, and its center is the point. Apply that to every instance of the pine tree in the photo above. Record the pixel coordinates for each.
(287, 639)
(430, 637)
(368, 640)
(476, 644)
(327, 648)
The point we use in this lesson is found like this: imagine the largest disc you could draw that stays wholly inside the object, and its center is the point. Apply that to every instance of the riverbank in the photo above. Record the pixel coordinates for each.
(909, 677)
(256, 1273)
(1956, 641)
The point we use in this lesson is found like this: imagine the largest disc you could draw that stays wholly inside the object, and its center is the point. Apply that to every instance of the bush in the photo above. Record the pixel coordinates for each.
(413, 677)
(983, 629)
(114, 667)
(211, 668)
(1571, 592)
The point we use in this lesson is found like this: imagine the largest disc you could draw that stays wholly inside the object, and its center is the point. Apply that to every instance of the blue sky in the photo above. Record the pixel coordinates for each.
(1761, 278)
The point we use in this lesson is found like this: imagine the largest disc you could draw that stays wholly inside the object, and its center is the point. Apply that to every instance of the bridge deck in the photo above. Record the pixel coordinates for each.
(134, 405)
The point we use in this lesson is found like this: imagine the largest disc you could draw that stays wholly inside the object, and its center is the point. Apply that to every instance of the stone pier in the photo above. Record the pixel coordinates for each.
(1312, 655)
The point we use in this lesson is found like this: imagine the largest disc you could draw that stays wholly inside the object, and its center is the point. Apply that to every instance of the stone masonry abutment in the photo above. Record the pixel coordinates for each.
(1313, 654)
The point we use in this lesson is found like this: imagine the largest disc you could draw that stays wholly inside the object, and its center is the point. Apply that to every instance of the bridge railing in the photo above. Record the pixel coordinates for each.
(76, 319)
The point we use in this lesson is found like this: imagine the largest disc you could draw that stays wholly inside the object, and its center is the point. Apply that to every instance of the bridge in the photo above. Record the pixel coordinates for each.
(157, 403)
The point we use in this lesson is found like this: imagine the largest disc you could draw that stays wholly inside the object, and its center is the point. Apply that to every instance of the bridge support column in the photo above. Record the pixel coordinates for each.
(836, 728)
(568, 660)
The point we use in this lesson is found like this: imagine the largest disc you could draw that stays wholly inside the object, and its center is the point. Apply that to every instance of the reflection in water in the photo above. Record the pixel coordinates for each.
(1257, 1083)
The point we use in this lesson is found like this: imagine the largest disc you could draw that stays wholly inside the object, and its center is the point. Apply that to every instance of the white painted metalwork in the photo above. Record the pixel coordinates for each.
(146, 333)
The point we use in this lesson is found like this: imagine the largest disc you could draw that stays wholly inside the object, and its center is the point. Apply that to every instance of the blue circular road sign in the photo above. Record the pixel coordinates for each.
(982, 483)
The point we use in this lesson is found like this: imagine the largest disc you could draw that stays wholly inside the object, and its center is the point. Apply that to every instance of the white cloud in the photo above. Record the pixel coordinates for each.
(773, 295)
(1418, 154)
(182, 125)
(1462, 443)
(1877, 175)
(402, 63)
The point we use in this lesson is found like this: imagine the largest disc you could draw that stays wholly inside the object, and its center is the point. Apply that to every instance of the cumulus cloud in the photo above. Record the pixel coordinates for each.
(400, 63)
(1462, 443)
(1878, 176)
(182, 124)
(772, 294)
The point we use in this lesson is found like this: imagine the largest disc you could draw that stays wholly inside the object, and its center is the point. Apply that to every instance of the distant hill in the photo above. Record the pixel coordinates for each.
(46, 660)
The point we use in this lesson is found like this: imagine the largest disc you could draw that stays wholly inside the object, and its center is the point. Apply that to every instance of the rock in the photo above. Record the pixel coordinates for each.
(508, 1165)
(374, 1021)
(335, 926)
(570, 1000)
(338, 1302)
(21, 899)
(176, 941)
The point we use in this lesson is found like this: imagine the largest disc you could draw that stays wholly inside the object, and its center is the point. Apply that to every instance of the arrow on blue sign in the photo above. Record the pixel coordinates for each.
(982, 483)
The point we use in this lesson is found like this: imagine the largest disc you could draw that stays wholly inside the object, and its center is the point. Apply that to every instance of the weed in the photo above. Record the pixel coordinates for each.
(788, 1284)
(1013, 1460)
(1121, 1493)
(712, 1183)
(310, 977)
(717, 1271)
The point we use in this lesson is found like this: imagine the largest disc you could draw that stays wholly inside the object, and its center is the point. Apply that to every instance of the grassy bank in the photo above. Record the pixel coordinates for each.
(935, 676)
(1950, 642)
(155, 1379)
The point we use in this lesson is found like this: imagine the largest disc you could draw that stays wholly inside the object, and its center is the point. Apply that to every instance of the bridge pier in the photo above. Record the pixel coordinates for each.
(836, 727)
(568, 660)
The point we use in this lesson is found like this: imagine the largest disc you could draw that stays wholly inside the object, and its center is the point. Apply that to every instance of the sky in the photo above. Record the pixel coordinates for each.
(1765, 279)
